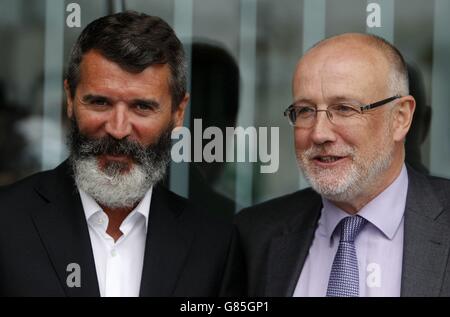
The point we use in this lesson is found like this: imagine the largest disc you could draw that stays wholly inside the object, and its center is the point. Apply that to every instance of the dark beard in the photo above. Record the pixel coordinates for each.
(156, 156)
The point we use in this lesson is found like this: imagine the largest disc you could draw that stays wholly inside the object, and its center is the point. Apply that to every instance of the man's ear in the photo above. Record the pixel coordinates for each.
(69, 99)
(403, 115)
(180, 111)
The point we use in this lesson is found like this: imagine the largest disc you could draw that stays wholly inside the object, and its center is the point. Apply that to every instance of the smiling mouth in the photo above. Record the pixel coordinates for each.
(117, 158)
(327, 159)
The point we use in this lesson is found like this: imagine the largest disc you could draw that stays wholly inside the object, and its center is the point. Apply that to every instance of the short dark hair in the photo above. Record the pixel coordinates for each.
(134, 41)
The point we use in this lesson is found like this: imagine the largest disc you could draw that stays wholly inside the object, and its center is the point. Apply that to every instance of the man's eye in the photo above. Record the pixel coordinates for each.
(143, 107)
(99, 102)
(343, 109)
(305, 111)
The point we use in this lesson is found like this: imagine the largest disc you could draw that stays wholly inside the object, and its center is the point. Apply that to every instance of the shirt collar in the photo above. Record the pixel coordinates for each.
(385, 211)
(91, 207)
(144, 205)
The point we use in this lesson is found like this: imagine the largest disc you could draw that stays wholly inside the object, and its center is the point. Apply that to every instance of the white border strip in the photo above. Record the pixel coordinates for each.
(183, 20)
(440, 126)
(118, 6)
(314, 23)
(52, 145)
(246, 114)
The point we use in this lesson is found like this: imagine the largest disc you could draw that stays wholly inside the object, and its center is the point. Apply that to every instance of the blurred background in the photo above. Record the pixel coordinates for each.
(242, 54)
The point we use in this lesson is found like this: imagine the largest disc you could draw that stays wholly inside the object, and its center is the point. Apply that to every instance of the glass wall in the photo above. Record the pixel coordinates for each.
(242, 55)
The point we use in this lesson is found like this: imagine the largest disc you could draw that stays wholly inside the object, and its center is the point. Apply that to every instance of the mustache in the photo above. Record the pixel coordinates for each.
(107, 145)
(83, 146)
(325, 150)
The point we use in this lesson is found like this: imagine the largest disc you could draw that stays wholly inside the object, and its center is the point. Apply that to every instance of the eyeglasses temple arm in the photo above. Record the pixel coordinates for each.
(379, 103)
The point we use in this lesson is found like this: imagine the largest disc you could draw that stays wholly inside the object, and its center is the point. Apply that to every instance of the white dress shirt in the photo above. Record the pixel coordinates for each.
(118, 264)
(379, 245)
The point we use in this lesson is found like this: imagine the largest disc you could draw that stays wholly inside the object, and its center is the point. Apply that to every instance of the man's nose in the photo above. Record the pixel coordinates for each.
(323, 129)
(118, 124)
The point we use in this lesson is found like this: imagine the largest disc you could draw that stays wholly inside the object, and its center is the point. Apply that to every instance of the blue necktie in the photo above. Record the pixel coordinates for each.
(344, 276)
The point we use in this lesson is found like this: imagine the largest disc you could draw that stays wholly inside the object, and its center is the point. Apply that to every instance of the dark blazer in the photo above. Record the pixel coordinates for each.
(43, 229)
(276, 237)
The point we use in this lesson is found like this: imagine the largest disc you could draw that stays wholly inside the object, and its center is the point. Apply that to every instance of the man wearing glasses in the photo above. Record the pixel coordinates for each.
(370, 225)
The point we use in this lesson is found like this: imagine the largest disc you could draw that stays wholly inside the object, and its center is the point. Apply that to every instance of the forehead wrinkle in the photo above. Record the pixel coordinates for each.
(128, 94)
(339, 66)
(351, 75)
(101, 76)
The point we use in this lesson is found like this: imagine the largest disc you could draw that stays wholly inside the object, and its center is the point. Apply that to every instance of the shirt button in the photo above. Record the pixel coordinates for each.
(113, 253)
(100, 220)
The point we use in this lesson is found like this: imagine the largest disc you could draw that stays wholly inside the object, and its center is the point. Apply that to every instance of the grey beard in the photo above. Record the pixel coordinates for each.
(359, 178)
(116, 190)
(117, 185)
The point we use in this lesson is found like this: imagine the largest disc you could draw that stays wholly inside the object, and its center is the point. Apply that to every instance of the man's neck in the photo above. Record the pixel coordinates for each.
(116, 217)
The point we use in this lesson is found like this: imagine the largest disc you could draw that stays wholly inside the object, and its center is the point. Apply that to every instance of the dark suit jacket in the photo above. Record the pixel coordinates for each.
(43, 229)
(276, 237)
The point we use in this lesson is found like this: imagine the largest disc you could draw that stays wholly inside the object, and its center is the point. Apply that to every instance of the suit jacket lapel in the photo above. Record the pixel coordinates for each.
(288, 252)
(168, 242)
(63, 230)
(426, 240)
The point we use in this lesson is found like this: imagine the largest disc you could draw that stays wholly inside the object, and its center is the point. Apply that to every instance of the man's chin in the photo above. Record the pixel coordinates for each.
(111, 186)
(334, 184)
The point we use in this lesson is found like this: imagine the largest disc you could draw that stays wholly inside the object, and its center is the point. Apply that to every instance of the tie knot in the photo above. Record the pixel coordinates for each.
(350, 228)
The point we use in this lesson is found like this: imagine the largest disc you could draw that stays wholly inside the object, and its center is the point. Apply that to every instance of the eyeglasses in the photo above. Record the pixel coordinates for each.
(304, 116)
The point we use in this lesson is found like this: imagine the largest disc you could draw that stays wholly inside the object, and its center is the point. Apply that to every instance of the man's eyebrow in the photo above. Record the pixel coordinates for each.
(149, 102)
(331, 100)
(90, 97)
(348, 99)
(304, 100)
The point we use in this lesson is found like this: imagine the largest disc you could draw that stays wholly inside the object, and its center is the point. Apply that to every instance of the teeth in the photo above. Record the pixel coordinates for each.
(328, 159)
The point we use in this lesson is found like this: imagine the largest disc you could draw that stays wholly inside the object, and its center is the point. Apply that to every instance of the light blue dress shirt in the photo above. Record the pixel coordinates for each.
(379, 245)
